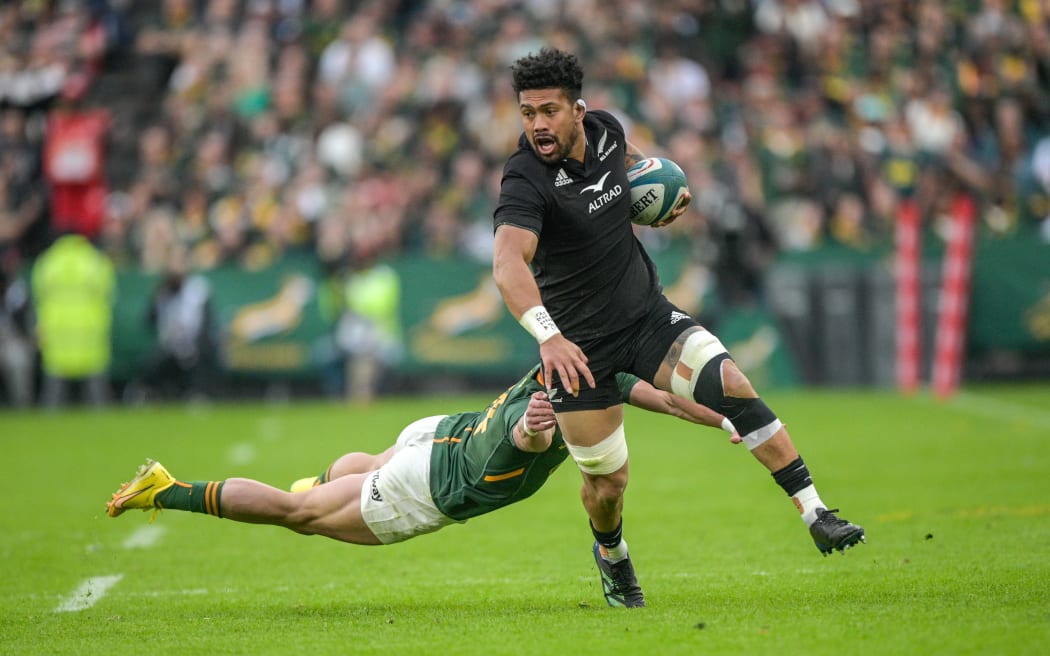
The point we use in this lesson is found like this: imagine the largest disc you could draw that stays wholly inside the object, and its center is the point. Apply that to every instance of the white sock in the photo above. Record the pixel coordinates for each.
(808, 501)
(615, 554)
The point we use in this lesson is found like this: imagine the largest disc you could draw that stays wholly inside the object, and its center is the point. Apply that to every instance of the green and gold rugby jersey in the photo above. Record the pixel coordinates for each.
(475, 466)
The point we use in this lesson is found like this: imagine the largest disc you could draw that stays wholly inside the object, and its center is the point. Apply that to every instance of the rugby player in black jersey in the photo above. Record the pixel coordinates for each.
(572, 272)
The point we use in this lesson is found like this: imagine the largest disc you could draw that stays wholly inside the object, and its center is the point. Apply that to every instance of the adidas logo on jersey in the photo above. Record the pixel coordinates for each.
(678, 316)
(562, 179)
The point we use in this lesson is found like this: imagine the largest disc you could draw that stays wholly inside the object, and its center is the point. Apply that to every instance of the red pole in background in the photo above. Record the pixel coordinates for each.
(908, 239)
(954, 300)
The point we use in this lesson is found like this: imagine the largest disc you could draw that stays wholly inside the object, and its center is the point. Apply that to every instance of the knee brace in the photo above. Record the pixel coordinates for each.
(605, 457)
(698, 375)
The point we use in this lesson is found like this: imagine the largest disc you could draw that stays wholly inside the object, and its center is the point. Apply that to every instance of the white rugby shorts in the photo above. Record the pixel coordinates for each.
(395, 499)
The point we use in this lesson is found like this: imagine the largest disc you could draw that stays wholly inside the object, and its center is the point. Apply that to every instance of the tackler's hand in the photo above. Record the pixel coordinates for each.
(539, 415)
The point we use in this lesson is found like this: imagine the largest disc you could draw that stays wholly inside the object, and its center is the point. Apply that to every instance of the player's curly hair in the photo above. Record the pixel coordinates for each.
(550, 69)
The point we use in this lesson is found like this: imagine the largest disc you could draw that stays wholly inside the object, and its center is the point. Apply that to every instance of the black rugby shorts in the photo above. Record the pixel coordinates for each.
(637, 348)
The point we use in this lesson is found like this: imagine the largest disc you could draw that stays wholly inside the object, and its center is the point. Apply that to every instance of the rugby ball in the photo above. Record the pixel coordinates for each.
(657, 186)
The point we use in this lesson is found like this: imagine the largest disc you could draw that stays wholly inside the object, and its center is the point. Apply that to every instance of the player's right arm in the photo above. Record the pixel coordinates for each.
(514, 250)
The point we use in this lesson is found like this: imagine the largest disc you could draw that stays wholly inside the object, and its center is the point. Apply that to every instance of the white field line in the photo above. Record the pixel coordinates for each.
(144, 537)
(167, 593)
(89, 593)
(91, 590)
(117, 594)
(983, 406)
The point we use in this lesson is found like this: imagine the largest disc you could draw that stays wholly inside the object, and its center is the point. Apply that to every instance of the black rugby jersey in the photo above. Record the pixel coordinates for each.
(594, 276)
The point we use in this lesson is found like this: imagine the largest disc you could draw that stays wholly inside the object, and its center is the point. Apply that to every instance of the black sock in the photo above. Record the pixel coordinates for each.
(793, 477)
(609, 539)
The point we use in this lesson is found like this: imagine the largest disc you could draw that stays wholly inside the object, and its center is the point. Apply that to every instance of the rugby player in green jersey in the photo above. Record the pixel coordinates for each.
(441, 470)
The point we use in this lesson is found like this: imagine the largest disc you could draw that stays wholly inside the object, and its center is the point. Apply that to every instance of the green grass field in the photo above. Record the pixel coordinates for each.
(955, 498)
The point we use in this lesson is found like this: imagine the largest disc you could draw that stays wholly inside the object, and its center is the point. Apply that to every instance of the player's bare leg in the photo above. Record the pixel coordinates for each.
(598, 445)
(359, 463)
(356, 462)
(602, 494)
(332, 510)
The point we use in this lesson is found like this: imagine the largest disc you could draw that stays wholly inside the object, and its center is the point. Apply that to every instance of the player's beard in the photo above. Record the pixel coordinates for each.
(564, 148)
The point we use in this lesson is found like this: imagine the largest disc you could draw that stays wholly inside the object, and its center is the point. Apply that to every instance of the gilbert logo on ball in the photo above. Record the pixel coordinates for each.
(657, 186)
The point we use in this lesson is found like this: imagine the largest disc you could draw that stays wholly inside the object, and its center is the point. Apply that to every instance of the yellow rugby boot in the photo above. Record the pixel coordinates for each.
(141, 491)
(304, 484)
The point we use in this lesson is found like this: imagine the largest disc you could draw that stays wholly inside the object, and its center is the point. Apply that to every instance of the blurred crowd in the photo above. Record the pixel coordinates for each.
(233, 132)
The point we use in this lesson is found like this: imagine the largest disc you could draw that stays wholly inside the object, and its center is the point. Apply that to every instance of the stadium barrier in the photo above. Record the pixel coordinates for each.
(838, 311)
(830, 319)
(273, 324)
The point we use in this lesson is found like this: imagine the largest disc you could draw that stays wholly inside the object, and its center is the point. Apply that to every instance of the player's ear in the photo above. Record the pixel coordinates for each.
(581, 106)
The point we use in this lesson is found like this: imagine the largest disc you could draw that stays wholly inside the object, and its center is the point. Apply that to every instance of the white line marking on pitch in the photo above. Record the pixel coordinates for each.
(89, 593)
(168, 593)
(144, 537)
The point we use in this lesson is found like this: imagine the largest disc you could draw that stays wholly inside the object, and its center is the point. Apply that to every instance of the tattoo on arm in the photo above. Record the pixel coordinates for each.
(632, 155)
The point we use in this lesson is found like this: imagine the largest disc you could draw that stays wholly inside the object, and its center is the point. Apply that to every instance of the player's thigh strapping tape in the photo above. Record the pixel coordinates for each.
(603, 458)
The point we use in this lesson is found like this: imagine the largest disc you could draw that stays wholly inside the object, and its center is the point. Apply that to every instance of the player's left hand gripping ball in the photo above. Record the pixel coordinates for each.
(658, 186)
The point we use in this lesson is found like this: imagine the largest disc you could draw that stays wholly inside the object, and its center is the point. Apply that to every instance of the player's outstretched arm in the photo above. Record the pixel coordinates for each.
(645, 396)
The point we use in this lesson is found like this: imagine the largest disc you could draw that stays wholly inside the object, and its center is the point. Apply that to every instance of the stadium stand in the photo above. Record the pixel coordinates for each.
(247, 131)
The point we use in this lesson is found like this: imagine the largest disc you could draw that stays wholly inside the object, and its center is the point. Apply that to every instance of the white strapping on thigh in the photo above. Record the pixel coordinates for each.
(698, 350)
(605, 457)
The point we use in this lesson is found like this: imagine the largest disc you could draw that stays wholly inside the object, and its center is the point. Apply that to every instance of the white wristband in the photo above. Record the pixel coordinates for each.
(727, 426)
(525, 426)
(538, 322)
